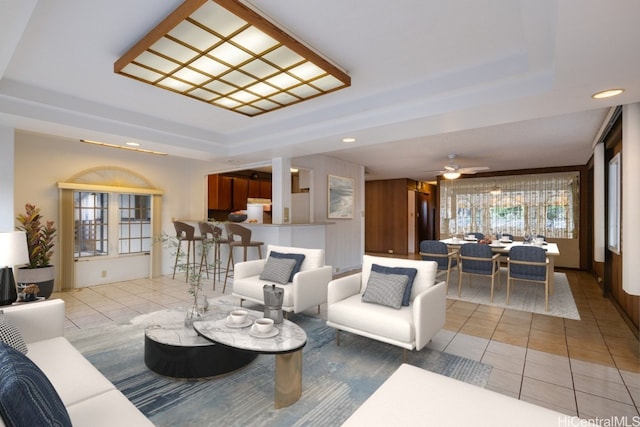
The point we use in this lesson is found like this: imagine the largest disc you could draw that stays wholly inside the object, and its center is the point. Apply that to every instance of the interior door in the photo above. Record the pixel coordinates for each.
(424, 220)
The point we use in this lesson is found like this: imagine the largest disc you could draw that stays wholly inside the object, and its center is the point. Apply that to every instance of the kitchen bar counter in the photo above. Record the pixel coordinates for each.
(296, 235)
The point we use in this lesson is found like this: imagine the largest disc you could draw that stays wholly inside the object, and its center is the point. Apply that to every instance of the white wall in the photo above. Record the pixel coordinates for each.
(345, 237)
(41, 161)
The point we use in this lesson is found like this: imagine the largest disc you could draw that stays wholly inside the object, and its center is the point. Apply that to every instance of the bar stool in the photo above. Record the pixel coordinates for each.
(211, 236)
(245, 242)
(185, 232)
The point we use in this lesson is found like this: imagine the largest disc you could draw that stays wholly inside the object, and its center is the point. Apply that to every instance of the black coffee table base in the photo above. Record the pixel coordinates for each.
(193, 362)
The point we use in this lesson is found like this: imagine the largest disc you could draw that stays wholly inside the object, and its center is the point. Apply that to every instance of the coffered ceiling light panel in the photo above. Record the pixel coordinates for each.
(224, 53)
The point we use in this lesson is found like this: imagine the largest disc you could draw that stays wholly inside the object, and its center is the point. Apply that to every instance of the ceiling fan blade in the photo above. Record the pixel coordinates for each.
(473, 169)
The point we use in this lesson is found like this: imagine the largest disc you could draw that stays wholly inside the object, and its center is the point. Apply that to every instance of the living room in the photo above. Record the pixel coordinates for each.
(43, 117)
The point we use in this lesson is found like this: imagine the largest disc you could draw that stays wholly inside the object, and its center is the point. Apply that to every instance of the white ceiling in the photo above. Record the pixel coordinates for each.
(501, 83)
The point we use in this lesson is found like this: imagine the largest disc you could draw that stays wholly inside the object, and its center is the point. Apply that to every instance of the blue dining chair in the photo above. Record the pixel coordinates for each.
(528, 263)
(478, 259)
(506, 236)
(478, 236)
(434, 250)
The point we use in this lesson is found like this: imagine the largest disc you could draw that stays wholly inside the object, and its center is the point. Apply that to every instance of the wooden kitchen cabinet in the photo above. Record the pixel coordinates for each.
(219, 192)
(254, 188)
(240, 193)
(265, 190)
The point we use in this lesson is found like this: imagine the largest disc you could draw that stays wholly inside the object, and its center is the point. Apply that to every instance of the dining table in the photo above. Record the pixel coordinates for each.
(503, 247)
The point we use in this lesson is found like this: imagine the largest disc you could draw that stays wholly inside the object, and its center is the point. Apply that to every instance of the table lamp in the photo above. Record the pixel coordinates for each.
(13, 251)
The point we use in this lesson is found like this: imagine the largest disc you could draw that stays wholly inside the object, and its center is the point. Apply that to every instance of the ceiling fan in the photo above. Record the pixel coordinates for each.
(452, 170)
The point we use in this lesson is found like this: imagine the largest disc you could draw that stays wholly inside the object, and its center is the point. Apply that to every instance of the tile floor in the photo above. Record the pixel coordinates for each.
(589, 368)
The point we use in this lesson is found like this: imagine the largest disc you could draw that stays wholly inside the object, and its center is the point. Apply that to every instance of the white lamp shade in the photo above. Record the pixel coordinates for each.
(13, 249)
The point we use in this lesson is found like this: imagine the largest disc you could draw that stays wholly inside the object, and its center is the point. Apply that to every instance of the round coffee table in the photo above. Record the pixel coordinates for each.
(286, 346)
(174, 350)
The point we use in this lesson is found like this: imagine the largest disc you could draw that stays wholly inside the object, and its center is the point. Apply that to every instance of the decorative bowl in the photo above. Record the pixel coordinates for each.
(235, 217)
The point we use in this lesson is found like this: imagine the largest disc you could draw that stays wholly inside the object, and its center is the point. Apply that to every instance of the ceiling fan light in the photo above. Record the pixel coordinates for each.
(451, 175)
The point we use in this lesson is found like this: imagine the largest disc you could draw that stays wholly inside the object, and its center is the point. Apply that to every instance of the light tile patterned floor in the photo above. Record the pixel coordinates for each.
(589, 367)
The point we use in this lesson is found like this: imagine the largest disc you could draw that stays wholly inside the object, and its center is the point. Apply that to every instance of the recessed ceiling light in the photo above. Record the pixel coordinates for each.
(132, 144)
(607, 93)
(348, 139)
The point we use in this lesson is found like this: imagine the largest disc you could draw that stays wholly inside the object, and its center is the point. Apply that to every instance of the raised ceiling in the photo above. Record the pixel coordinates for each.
(500, 83)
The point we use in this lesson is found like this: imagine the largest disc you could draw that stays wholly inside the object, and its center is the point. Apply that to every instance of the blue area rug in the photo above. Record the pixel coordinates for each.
(335, 380)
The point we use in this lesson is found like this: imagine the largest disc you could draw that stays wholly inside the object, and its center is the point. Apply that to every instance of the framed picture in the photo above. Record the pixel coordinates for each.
(340, 198)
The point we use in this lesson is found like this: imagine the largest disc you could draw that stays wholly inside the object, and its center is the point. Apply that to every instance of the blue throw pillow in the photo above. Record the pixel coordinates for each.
(27, 397)
(407, 271)
(298, 257)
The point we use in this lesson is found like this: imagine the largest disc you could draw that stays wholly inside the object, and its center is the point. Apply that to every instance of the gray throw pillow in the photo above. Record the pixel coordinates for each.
(298, 257)
(385, 289)
(278, 270)
(10, 334)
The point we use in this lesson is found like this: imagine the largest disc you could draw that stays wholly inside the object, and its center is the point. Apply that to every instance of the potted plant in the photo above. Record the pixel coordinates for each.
(40, 235)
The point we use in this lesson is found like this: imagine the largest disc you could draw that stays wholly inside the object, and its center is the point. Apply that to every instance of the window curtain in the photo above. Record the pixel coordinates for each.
(539, 204)
(156, 230)
(66, 236)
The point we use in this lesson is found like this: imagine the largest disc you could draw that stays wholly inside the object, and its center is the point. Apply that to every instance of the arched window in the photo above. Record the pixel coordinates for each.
(107, 209)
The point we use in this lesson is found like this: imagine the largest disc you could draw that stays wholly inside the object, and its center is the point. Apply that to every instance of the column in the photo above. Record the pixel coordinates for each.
(7, 157)
(281, 190)
(630, 200)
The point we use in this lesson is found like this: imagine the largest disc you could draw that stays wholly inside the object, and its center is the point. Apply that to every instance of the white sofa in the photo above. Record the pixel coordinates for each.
(413, 396)
(90, 399)
(308, 288)
(410, 327)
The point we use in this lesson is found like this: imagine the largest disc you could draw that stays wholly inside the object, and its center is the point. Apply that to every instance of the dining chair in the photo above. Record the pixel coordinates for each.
(185, 233)
(528, 263)
(239, 237)
(478, 259)
(506, 236)
(434, 250)
(212, 238)
(478, 235)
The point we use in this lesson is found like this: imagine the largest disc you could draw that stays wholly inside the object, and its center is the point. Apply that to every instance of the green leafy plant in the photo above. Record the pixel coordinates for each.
(40, 236)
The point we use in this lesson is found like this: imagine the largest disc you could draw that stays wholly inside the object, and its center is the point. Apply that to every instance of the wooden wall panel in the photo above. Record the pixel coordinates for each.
(386, 215)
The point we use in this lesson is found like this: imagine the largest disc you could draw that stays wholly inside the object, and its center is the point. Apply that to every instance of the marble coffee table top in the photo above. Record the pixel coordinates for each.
(167, 327)
(290, 337)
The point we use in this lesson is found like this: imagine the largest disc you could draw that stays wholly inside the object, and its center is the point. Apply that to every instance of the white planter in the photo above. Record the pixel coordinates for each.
(43, 277)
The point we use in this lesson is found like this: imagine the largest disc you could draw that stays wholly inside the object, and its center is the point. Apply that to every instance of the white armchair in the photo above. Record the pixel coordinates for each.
(307, 289)
(410, 327)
